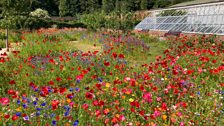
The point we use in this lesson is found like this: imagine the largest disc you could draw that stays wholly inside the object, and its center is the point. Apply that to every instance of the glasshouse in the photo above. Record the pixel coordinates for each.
(201, 18)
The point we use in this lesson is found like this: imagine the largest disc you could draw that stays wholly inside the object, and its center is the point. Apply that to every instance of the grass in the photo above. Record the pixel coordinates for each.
(82, 46)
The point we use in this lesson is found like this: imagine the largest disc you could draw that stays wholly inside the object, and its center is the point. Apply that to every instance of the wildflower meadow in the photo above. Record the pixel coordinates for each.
(74, 77)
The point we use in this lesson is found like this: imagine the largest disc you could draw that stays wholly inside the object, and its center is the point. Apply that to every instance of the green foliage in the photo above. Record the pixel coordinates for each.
(108, 5)
(40, 13)
(144, 4)
(63, 8)
(112, 20)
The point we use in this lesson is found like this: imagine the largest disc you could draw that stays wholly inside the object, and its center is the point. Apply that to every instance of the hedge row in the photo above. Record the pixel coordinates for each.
(36, 23)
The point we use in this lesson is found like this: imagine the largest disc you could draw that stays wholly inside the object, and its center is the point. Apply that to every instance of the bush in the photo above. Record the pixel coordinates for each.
(39, 13)
(113, 20)
(37, 23)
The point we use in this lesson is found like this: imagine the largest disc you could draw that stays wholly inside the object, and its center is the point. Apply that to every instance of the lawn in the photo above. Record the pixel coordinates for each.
(76, 77)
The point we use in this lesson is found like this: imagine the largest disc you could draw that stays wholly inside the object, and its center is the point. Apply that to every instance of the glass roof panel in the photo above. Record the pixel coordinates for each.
(193, 20)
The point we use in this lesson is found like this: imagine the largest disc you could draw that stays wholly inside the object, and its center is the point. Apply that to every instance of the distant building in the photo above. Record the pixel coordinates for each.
(206, 18)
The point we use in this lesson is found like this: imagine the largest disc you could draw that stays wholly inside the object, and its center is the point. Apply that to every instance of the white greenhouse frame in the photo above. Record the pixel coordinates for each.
(200, 19)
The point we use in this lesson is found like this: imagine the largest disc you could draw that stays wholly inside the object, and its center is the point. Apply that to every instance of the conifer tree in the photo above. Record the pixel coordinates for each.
(144, 4)
(108, 5)
(63, 8)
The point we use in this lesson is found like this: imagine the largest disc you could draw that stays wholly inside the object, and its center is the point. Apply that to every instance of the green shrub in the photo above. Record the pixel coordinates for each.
(2, 36)
(113, 20)
(37, 23)
(39, 13)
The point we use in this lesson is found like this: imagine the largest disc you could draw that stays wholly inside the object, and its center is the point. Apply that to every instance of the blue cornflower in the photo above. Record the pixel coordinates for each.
(77, 81)
(71, 89)
(38, 113)
(38, 109)
(36, 89)
(26, 118)
(54, 122)
(18, 102)
(35, 103)
(43, 104)
(66, 113)
(100, 79)
(49, 90)
(198, 93)
(76, 123)
(25, 106)
(28, 100)
(18, 114)
(76, 89)
(52, 115)
(67, 108)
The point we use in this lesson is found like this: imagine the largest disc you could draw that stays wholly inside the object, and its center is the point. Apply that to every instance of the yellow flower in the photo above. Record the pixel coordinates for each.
(68, 100)
(131, 99)
(128, 92)
(117, 115)
(164, 117)
(173, 115)
(107, 85)
(19, 109)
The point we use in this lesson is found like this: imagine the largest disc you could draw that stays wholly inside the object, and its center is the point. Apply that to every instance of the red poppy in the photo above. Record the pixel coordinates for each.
(164, 106)
(12, 82)
(89, 95)
(85, 106)
(222, 85)
(106, 63)
(2, 60)
(54, 104)
(58, 79)
(51, 82)
(14, 117)
(114, 55)
(62, 90)
(6, 116)
(121, 56)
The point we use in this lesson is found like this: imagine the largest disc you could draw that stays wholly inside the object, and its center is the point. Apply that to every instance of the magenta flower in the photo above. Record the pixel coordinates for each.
(4, 101)
(147, 97)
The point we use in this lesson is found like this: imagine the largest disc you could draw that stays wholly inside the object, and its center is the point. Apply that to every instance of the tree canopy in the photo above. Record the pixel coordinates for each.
(73, 7)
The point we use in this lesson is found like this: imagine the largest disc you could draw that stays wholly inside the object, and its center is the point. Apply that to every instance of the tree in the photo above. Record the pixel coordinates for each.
(74, 7)
(92, 5)
(14, 12)
(63, 8)
(144, 4)
(108, 5)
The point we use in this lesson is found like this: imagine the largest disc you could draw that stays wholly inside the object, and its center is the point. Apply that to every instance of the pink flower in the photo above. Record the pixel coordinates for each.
(4, 101)
(147, 97)
(158, 99)
(182, 124)
(71, 104)
(156, 113)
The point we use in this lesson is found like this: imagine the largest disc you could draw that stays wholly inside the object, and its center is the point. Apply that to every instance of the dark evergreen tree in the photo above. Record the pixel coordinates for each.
(92, 5)
(108, 5)
(64, 8)
(74, 7)
(144, 4)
